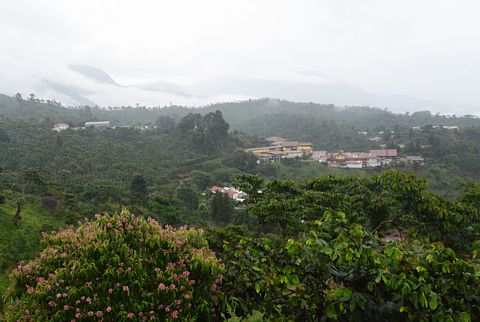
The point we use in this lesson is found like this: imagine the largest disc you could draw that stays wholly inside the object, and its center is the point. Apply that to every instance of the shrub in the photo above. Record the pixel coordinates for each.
(117, 267)
(49, 203)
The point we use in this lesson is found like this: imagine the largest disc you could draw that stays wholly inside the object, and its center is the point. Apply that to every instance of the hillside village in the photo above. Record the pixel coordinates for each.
(280, 149)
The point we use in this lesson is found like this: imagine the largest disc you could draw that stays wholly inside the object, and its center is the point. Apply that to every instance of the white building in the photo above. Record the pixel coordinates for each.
(97, 125)
(60, 127)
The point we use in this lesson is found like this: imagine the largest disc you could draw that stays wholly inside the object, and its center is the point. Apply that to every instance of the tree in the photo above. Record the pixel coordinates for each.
(139, 188)
(117, 268)
(188, 197)
(49, 203)
(18, 214)
(241, 160)
(4, 138)
(165, 124)
(222, 208)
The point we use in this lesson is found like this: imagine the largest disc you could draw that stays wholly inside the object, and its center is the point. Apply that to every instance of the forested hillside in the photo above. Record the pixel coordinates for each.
(310, 242)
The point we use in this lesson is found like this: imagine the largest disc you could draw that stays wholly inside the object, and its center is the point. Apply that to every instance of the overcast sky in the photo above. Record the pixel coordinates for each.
(427, 49)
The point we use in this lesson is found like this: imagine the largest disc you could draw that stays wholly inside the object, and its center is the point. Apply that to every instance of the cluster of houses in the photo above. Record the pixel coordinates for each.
(359, 160)
(281, 149)
(231, 192)
(88, 125)
(98, 125)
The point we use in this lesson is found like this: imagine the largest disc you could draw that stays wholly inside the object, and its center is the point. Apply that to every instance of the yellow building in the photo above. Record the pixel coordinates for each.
(305, 147)
(284, 146)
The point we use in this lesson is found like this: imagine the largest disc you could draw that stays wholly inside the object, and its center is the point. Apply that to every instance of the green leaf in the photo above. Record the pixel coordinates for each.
(294, 279)
(327, 250)
(257, 288)
(343, 293)
(432, 302)
(464, 317)
(331, 312)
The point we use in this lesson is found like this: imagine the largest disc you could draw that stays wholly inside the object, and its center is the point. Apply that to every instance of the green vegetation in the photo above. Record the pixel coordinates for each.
(117, 267)
(309, 243)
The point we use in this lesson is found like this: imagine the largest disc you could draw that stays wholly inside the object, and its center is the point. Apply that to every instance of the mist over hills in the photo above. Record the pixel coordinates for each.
(80, 84)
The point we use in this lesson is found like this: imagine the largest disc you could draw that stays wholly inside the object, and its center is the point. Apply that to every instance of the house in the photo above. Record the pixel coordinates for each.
(97, 125)
(385, 153)
(290, 149)
(320, 156)
(231, 192)
(395, 235)
(385, 156)
(413, 159)
(60, 127)
(275, 140)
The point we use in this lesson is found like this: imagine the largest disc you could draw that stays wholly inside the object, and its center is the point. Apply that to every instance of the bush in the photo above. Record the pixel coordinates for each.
(116, 268)
(2, 199)
(49, 203)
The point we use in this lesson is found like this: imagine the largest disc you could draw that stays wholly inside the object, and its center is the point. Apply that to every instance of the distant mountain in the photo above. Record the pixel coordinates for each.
(75, 93)
(94, 74)
(162, 86)
(80, 84)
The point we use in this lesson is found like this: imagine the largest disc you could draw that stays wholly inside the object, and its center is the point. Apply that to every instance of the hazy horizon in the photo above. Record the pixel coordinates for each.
(404, 56)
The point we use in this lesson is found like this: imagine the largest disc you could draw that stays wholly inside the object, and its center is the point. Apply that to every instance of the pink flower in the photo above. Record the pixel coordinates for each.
(172, 286)
(52, 304)
(90, 313)
(109, 225)
(186, 273)
(167, 309)
(125, 288)
(99, 314)
(175, 314)
(78, 315)
(129, 227)
(161, 286)
(130, 315)
(157, 269)
(192, 282)
(66, 307)
(186, 296)
(109, 309)
(129, 269)
(110, 290)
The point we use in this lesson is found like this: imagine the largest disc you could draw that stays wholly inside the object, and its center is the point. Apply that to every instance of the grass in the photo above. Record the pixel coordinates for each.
(22, 243)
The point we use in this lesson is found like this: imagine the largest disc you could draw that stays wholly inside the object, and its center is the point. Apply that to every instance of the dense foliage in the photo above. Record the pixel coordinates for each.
(338, 270)
(117, 267)
(310, 242)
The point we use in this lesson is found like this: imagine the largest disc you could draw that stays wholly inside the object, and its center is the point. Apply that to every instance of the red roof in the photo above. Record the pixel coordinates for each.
(384, 153)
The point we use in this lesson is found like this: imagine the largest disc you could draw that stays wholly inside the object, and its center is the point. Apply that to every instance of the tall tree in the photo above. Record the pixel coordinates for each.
(139, 189)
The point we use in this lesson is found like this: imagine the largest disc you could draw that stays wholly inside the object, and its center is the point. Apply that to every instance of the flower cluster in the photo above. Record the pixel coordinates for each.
(117, 267)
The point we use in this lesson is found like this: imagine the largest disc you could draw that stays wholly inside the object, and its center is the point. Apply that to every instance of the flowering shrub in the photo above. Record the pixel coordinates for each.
(116, 268)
